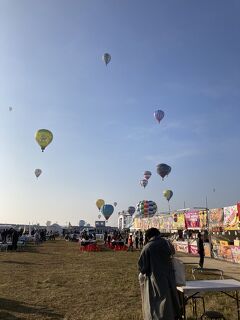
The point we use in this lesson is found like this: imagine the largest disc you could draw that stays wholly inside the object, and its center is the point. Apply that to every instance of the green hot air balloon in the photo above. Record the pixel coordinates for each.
(168, 194)
(44, 138)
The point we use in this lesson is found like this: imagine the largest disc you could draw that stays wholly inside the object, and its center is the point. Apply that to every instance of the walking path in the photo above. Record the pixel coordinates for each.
(230, 270)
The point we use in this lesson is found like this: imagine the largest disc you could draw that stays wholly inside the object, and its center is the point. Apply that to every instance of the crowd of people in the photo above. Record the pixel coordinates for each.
(132, 240)
(11, 236)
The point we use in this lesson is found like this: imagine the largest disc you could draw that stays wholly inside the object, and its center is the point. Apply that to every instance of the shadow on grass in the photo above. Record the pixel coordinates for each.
(18, 262)
(20, 307)
(8, 316)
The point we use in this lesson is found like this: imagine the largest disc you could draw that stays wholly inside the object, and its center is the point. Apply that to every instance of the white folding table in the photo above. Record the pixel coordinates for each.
(200, 286)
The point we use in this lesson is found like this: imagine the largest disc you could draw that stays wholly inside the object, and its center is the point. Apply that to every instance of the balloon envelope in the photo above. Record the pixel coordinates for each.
(44, 138)
(168, 194)
(131, 210)
(143, 182)
(147, 174)
(106, 58)
(100, 203)
(158, 114)
(37, 172)
(146, 208)
(107, 210)
(115, 204)
(163, 170)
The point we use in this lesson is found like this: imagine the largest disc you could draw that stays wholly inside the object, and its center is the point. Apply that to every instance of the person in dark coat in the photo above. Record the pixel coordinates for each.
(200, 246)
(141, 240)
(136, 241)
(15, 237)
(157, 280)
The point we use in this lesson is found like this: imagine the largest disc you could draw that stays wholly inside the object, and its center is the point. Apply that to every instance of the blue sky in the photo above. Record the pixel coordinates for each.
(181, 57)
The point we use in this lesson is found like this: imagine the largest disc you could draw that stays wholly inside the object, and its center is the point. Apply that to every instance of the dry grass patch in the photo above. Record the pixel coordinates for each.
(56, 281)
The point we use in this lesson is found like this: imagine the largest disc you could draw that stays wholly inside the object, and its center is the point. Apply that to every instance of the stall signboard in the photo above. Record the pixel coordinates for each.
(137, 223)
(178, 221)
(161, 222)
(231, 219)
(181, 246)
(145, 223)
(207, 250)
(215, 218)
(193, 248)
(192, 219)
(154, 222)
(225, 253)
(236, 253)
(238, 208)
(203, 219)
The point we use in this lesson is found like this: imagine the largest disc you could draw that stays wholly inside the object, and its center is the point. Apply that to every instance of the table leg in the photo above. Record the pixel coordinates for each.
(238, 311)
(183, 305)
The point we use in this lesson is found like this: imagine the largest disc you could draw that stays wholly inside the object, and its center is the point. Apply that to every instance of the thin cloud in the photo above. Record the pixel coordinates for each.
(173, 157)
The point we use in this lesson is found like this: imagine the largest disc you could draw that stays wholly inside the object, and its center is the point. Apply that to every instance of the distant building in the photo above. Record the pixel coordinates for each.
(101, 227)
(82, 223)
(55, 228)
(124, 220)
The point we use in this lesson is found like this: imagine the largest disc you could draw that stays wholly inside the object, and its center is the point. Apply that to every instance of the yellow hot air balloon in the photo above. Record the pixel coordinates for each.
(100, 203)
(44, 138)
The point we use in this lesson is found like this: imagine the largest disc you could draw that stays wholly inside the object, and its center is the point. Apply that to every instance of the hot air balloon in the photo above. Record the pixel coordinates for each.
(99, 216)
(131, 210)
(146, 208)
(10, 108)
(37, 172)
(100, 203)
(107, 210)
(147, 174)
(106, 58)
(163, 170)
(115, 204)
(143, 183)
(158, 114)
(168, 194)
(44, 138)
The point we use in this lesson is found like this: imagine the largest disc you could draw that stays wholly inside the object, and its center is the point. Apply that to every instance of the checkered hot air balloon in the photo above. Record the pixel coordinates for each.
(146, 208)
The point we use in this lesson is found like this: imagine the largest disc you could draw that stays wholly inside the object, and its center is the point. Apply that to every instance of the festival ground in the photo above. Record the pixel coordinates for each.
(57, 281)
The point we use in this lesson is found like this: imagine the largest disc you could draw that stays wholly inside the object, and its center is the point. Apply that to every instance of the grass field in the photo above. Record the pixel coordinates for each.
(56, 281)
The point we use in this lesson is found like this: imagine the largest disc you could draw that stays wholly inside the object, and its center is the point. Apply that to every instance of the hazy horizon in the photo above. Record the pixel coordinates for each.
(180, 57)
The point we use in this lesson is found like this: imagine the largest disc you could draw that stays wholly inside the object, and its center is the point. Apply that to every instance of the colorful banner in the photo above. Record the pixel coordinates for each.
(166, 223)
(203, 219)
(161, 223)
(192, 219)
(238, 208)
(225, 253)
(207, 250)
(216, 217)
(137, 223)
(231, 220)
(145, 223)
(178, 222)
(181, 246)
(236, 254)
(193, 249)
